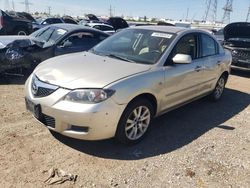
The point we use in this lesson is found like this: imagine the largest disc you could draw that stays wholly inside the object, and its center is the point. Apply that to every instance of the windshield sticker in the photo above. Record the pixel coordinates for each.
(162, 35)
(61, 32)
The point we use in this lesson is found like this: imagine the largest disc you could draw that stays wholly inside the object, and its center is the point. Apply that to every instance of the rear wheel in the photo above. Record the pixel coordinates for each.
(219, 89)
(20, 31)
(134, 122)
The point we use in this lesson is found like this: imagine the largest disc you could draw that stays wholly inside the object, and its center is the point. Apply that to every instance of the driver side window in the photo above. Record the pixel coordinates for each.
(187, 45)
(83, 39)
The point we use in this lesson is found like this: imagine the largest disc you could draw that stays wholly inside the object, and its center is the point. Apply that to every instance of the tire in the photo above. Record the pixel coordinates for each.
(21, 31)
(219, 89)
(131, 128)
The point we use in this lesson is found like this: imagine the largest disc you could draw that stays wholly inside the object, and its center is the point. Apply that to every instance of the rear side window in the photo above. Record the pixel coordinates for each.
(208, 46)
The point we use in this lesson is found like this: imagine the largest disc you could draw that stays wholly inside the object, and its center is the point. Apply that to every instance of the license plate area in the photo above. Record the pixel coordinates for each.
(35, 109)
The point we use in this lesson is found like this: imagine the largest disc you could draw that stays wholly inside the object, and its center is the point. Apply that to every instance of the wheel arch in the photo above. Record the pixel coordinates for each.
(148, 96)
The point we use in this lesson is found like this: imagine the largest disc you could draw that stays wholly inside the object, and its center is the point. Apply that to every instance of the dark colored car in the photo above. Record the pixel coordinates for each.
(58, 39)
(237, 40)
(40, 23)
(68, 19)
(219, 35)
(117, 23)
(14, 25)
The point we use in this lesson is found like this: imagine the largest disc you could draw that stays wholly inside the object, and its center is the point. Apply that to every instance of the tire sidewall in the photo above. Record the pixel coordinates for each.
(120, 132)
(213, 95)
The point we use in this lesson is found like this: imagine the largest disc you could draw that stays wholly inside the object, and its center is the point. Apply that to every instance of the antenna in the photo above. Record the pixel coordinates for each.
(248, 14)
(228, 8)
(27, 5)
(211, 10)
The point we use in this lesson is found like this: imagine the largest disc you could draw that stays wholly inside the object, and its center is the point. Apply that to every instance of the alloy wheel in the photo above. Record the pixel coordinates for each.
(137, 123)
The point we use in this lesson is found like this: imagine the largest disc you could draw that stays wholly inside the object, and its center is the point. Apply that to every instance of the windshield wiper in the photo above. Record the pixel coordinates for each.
(120, 58)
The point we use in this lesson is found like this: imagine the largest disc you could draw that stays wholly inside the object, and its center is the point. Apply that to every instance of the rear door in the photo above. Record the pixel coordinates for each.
(211, 61)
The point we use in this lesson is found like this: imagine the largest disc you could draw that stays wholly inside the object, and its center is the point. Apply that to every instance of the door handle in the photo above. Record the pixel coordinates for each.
(219, 63)
(198, 68)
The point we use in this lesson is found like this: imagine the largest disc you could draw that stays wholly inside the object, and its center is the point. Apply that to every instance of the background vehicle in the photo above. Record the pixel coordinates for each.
(237, 40)
(11, 25)
(53, 40)
(117, 23)
(219, 35)
(40, 23)
(126, 80)
(103, 27)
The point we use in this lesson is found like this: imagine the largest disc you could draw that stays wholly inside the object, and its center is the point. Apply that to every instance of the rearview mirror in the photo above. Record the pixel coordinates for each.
(182, 59)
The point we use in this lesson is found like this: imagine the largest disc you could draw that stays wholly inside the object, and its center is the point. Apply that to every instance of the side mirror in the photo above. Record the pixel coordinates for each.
(182, 59)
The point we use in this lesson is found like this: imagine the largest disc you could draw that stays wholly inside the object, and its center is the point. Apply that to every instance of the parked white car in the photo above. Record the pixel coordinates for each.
(118, 87)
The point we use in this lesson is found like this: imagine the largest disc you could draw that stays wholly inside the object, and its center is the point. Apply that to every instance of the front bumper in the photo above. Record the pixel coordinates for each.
(81, 121)
(238, 64)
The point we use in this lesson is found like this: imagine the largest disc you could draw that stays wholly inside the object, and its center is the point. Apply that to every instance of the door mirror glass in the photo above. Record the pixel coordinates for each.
(182, 59)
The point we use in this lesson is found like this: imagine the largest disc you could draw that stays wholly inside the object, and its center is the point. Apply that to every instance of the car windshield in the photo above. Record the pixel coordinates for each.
(135, 45)
(48, 36)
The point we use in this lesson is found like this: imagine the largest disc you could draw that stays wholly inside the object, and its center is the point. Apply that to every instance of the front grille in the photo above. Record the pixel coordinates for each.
(40, 88)
(241, 54)
(49, 121)
(43, 92)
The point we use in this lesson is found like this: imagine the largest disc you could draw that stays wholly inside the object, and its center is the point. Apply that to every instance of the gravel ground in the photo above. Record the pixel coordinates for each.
(202, 144)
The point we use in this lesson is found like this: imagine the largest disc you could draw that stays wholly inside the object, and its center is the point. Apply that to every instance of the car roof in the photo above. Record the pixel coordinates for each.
(73, 27)
(169, 29)
(93, 24)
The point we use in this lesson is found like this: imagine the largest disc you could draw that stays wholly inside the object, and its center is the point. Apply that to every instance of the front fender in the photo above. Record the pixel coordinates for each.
(150, 82)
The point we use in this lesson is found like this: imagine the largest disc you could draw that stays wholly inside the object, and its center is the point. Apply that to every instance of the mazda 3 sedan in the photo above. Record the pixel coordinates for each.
(120, 85)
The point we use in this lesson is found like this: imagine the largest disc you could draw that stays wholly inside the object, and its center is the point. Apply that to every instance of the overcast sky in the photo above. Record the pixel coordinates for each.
(174, 9)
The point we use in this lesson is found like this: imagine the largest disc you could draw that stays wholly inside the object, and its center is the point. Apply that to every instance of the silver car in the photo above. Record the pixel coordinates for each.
(118, 87)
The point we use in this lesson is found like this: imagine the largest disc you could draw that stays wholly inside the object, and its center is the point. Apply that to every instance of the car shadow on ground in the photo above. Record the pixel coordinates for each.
(241, 73)
(170, 131)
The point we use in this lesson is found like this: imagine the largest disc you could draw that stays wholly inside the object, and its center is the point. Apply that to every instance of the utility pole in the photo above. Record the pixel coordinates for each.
(27, 5)
(208, 4)
(110, 11)
(228, 8)
(211, 10)
(248, 13)
(215, 5)
(13, 5)
(6, 5)
(49, 10)
(187, 14)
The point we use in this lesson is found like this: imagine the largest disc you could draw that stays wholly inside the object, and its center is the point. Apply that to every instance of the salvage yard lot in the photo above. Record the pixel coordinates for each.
(202, 144)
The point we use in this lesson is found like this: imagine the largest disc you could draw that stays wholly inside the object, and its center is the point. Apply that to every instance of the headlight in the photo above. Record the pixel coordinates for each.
(89, 95)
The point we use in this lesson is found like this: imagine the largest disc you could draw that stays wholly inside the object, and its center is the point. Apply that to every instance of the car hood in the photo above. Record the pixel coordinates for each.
(23, 41)
(237, 30)
(86, 70)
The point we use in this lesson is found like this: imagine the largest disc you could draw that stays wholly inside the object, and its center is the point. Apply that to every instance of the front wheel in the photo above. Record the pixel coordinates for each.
(219, 89)
(134, 122)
